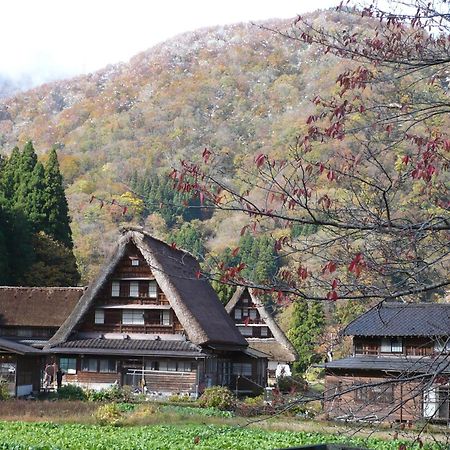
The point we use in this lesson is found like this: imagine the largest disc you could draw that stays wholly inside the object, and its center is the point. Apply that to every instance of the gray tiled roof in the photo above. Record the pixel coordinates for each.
(394, 364)
(403, 319)
(129, 347)
(17, 347)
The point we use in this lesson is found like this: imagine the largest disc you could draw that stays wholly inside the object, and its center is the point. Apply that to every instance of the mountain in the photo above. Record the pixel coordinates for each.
(10, 86)
(239, 89)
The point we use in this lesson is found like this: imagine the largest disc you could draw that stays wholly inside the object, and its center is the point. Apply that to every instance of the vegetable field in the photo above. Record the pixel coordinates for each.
(49, 436)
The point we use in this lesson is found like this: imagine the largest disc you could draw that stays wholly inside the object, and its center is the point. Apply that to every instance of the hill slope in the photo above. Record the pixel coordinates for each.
(238, 89)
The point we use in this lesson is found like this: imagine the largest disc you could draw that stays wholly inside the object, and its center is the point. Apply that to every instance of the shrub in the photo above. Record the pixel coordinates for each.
(71, 392)
(292, 384)
(112, 394)
(109, 414)
(254, 401)
(180, 398)
(218, 397)
(4, 391)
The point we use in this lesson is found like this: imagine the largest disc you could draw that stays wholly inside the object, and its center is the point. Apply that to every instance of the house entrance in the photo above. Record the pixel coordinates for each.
(436, 403)
(8, 368)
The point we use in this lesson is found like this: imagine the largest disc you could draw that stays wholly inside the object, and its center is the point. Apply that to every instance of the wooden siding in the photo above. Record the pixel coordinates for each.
(113, 317)
(178, 382)
(345, 398)
(412, 346)
(245, 305)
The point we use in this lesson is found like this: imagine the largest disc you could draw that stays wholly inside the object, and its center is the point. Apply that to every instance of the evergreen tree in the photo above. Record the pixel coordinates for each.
(33, 204)
(54, 265)
(55, 204)
(307, 326)
(24, 180)
(4, 256)
(9, 176)
(189, 237)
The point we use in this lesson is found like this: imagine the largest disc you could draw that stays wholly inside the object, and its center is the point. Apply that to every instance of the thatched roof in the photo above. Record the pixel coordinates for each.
(193, 300)
(272, 348)
(37, 306)
(285, 348)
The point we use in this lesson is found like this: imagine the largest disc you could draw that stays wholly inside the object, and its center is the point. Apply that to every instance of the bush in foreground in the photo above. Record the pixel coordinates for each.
(218, 397)
(4, 391)
(71, 392)
(109, 414)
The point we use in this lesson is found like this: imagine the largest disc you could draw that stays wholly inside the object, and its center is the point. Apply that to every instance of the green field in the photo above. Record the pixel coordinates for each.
(23, 435)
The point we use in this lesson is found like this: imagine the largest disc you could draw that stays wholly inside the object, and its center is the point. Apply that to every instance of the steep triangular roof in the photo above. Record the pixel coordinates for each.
(193, 300)
(288, 351)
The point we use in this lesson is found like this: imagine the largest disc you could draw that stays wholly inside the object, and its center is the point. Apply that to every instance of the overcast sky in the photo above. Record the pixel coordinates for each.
(47, 39)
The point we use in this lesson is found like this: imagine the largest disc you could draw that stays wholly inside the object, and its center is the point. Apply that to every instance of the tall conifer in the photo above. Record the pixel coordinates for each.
(55, 205)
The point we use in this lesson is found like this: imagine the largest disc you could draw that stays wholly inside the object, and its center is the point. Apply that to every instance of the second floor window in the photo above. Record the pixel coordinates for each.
(238, 313)
(133, 317)
(134, 288)
(391, 345)
(152, 289)
(246, 331)
(115, 289)
(99, 316)
(165, 317)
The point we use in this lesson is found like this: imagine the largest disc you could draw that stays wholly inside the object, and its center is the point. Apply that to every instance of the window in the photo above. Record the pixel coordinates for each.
(246, 331)
(264, 332)
(245, 301)
(107, 366)
(68, 365)
(375, 394)
(134, 288)
(168, 366)
(89, 365)
(133, 317)
(397, 345)
(391, 345)
(152, 289)
(115, 289)
(244, 369)
(99, 316)
(165, 318)
(134, 262)
(184, 366)
(238, 313)
(174, 366)
(24, 332)
(253, 314)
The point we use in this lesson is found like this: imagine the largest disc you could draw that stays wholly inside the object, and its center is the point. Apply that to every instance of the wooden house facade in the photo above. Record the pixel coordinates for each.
(261, 332)
(399, 369)
(29, 317)
(148, 321)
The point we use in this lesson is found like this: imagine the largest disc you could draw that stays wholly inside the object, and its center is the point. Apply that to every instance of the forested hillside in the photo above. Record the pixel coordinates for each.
(237, 89)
